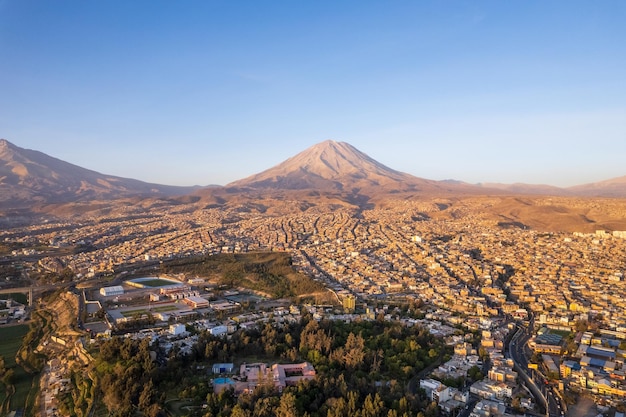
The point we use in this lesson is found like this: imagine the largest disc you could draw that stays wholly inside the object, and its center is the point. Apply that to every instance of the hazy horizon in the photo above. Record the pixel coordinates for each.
(211, 92)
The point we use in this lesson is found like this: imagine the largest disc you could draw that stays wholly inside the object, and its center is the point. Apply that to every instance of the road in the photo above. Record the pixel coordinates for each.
(555, 407)
(544, 393)
(516, 350)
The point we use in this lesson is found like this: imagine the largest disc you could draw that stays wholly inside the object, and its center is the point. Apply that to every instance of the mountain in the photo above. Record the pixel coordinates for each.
(614, 187)
(327, 165)
(328, 174)
(30, 177)
(336, 166)
(339, 172)
(530, 189)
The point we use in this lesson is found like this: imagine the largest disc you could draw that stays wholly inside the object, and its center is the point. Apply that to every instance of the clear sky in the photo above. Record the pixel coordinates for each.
(207, 92)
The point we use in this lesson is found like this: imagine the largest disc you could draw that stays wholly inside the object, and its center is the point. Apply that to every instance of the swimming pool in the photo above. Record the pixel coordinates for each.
(222, 381)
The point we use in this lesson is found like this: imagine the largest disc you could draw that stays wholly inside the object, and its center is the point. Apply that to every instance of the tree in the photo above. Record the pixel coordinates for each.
(337, 407)
(432, 410)
(153, 411)
(287, 406)
(67, 274)
(516, 404)
(265, 407)
(373, 406)
(101, 313)
(239, 411)
(484, 355)
(475, 374)
(581, 325)
(313, 337)
(9, 377)
(147, 396)
(354, 353)
(268, 339)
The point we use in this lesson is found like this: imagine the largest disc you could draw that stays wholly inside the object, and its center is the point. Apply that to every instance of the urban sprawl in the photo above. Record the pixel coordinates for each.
(550, 307)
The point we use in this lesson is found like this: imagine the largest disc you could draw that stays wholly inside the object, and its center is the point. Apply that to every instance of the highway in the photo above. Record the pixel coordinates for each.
(555, 408)
(544, 394)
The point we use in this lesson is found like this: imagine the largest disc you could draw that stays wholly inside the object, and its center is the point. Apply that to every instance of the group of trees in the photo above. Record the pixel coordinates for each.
(363, 369)
(7, 375)
(78, 401)
(271, 273)
(27, 356)
(126, 375)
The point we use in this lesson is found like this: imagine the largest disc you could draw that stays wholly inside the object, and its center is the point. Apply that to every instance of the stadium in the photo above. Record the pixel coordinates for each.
(155, 282)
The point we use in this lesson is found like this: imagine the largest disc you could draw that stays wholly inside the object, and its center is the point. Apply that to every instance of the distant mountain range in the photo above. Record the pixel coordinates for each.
(339, 166)
(30, 177)
(332, 170)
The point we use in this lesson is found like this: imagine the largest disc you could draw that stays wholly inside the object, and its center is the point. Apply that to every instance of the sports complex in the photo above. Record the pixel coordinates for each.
(154, 282)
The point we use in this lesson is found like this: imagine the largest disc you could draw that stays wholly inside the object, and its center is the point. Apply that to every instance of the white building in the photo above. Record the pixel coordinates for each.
(435, 390)
(177, 329)
(220, 330)
(223, 368)
(490, 390)
(110, 291)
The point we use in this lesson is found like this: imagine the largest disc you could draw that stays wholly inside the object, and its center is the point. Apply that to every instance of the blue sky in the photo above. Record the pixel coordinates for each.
(207, 92)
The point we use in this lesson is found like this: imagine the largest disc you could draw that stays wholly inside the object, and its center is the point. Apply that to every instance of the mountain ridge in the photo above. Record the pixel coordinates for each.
(28, 176)
(337, 170)
(613, 187)
(321, 179)
(335, 166)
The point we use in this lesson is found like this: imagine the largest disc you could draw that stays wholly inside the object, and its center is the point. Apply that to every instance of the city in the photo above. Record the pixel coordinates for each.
(549, 307)
(312, 208)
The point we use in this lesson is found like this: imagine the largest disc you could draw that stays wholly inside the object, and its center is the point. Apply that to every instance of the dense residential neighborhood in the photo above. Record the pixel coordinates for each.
(565, 290)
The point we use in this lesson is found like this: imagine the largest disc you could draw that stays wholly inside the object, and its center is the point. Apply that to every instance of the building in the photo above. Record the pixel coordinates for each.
(220, 330)
(196, 302)
(463, 349)
(502, 374)
(177, 329)
(349, 303)
(223, 368)
(291, 374)
(281, 375)
(435, 390)
(486, 408)
(491, 390)
(111, 291)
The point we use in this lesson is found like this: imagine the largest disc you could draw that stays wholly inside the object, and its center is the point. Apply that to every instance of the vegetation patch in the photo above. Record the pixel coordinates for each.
(563, 333)
(362, 369)
(15, 382)
(267, 272)
(16, 296)
(164, 309)
(180, 407)
(11, 341)
(133, 313)
(25, 389)
(141, 311)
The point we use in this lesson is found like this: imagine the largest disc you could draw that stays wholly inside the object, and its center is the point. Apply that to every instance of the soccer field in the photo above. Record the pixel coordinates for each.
(157, 282)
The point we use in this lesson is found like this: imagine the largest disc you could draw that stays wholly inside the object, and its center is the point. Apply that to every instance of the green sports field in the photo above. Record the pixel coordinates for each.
(155, 283)
(160, 309)
(10, 342)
